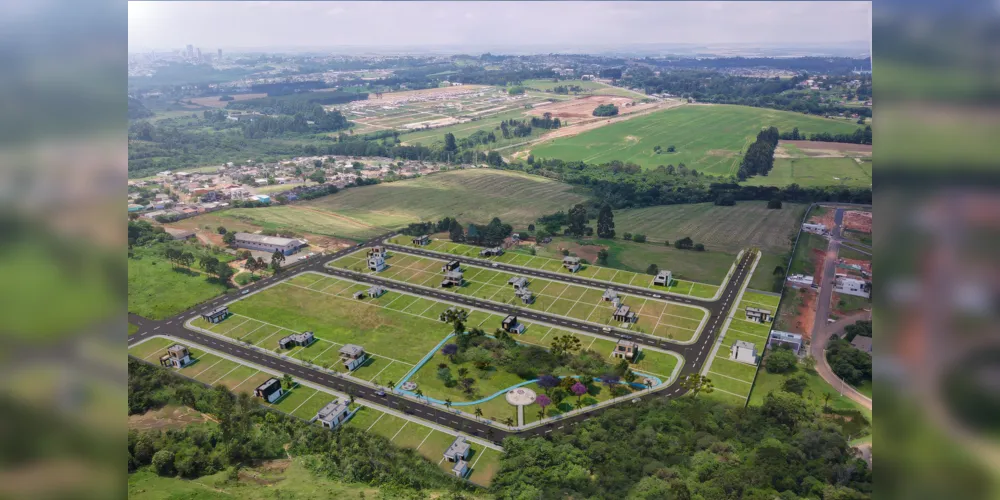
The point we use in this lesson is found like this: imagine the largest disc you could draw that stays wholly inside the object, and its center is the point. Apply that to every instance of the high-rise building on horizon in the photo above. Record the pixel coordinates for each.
(190, 51)
(220, 54)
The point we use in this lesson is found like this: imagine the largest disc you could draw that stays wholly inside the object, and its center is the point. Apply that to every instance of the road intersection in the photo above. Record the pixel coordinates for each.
(694, 353)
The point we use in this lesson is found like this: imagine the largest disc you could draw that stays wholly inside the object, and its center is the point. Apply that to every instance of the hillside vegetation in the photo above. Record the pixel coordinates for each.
(706, 138)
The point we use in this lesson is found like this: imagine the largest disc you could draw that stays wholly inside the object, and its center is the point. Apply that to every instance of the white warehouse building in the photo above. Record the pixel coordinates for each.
(269, 244)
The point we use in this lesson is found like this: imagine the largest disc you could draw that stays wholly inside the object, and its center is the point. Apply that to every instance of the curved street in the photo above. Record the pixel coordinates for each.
(695, 354)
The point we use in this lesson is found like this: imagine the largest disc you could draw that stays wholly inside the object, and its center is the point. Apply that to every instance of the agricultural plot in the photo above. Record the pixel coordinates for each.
(808, 172)
(474, 195)
(305, 219)
(659, 318)
(707, 138)
(728, 229)
(678, 287)
(303, 402)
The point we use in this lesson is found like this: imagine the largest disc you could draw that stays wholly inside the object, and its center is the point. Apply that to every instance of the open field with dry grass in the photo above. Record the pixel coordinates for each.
(214, 102)
(470, 195)
(728, 229)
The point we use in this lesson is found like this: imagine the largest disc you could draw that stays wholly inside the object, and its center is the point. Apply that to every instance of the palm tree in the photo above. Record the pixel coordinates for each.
(826, 400)
(447, 403)
(463, 371)
(288, 381)
(579, 404)
(391, 385)
(419, 393)
(479, 412)
(509, 422)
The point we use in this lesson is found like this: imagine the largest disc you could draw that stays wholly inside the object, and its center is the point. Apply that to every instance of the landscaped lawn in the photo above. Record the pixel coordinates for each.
(669, 320)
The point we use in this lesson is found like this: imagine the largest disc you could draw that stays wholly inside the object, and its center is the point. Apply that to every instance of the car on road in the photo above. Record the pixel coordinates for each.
(606, 330)
(495, 264)
(380, 393)
(244, 292)
(635, 400)
(656, 295)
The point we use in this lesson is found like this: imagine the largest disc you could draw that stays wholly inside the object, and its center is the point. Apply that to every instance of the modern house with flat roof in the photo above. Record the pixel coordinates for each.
(662, 278)
(270, 390)
(758, 315)
(177, 356)
(459, 450)
(377, 250)
(491, 252)
(376, 292)
(814, 228)
(216, 315)
(525, 295)
(296, 339)
(452, 278)
(376, 263)
(778, 338)
(744, 352)
(333, 414)
(572, 264)
(609, 295)
(421, 240)
(518, 282)
(510, 325)
(286, 246)
(626, 349)
(851, 286)
(450, 266)
(352, 356)
(623, 315)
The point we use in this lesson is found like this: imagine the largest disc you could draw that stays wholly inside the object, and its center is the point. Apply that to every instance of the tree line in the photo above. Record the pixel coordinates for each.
(859, 136)
(759, 158)
(626, 185)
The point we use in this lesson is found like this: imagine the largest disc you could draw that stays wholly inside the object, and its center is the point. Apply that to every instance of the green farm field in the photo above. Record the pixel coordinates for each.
(306, 219)
(474, 195)
(725, 229)
(708, 138)
(807, 172)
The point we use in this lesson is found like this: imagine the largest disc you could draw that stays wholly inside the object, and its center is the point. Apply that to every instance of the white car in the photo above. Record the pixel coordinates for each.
(656, 295)
(495, 264)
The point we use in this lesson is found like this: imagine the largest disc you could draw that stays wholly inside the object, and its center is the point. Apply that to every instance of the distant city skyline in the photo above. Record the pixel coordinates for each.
(516, 27)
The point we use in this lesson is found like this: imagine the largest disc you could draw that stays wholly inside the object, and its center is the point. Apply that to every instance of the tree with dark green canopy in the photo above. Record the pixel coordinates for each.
(606, 222)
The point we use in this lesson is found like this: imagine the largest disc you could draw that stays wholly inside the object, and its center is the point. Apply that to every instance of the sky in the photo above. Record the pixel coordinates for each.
(483, 25)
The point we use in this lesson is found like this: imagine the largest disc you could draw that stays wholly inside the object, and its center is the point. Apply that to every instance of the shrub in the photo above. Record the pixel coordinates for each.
(627, 236)
(163, 463)
(639, 238)
(653, 269)
(774, 203)
(606, 110)
(698, 247)
(781, 361)
(796, 384)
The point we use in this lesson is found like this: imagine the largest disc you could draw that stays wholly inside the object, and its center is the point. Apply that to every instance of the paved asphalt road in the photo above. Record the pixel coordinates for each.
(817, 349)
(829, 270)
(693, 353)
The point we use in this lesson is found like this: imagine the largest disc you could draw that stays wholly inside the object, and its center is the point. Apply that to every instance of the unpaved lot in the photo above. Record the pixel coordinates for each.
(168, 417)
(858, 221)
(584, 107)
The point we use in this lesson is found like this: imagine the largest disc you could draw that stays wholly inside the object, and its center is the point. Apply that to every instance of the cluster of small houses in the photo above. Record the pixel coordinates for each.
(333, 414)
(853, 280)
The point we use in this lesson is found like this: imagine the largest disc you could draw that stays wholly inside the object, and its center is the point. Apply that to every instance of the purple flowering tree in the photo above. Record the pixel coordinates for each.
(548, 382)
(579, 389)
(450, 350)
(543, 401)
